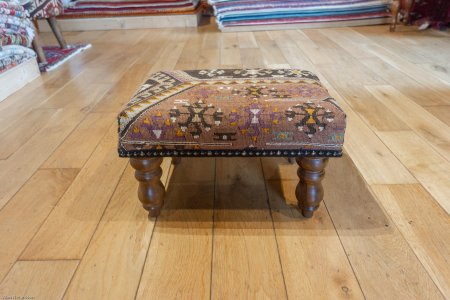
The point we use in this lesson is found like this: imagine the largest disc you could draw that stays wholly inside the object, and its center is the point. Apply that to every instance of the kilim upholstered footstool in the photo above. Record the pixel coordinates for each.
(226, 113)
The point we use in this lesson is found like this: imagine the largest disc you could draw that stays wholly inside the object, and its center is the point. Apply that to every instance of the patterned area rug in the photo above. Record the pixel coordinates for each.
(57, 56)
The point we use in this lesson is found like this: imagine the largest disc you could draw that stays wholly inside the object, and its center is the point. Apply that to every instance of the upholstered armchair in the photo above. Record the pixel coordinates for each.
(46, 9)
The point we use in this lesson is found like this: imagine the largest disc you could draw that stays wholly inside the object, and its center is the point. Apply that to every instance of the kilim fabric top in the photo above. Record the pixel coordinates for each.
(232, 112)
(44, 9)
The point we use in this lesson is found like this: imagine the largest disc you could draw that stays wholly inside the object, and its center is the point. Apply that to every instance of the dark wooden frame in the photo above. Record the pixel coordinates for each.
(58, 34)
(309, 191)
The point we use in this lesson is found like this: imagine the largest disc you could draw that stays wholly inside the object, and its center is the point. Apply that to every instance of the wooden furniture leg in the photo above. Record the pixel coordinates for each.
(57, 32)
(151, 190)
(176, 160)
(411, 4)
(309, 191)
(394, 10)
(38, 48)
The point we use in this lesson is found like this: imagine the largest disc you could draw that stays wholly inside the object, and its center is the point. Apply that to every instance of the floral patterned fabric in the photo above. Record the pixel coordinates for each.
(16, 35)
(13, 55)
(232, 112)
(15, 26)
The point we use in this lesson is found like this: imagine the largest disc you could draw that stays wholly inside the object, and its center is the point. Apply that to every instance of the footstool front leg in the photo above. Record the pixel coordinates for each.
(151, 190)
(309, 191)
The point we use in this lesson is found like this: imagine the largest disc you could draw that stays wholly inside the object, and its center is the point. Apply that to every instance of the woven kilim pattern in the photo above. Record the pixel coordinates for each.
(232, 112)
(44, 9)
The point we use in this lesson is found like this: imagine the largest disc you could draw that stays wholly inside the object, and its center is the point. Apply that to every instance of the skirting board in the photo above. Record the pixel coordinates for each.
(14, 79)
(308, 25)
(111, 23)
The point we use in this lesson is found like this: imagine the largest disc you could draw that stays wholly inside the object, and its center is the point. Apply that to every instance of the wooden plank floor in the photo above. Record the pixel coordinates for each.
(71, 226)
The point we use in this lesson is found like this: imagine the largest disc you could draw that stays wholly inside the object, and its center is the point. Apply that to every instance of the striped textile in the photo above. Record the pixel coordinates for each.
(233, 13)
(82, 8)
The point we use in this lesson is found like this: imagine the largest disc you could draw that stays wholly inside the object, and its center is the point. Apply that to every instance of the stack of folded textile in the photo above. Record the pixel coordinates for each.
(255, 14)
(16, 35)
(105, 8)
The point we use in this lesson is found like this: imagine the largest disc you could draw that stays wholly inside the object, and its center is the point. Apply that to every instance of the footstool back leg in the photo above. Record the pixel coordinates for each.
(309, 191)
(151, 190)
(176, 160)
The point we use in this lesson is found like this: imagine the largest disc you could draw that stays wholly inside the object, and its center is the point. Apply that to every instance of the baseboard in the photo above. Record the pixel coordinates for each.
(379, 21)
(139, 22)
(16, 78)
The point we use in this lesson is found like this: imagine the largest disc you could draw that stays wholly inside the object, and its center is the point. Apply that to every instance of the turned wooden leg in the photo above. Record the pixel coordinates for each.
(151, 190)
(57, 32)
(409, 9)
(176, 160)
(394, 10)
(309, 191)
(38, 48)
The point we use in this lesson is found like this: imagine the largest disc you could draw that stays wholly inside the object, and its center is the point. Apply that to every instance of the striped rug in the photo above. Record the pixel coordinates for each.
(242, 14)
(107, 8)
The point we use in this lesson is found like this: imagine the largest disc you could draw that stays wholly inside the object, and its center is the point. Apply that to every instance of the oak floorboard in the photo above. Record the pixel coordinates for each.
(245, 257)
(22, 129)
(38, 279)
(43, 143)
(67, 231)
(414, 90)
(314, 52)
(173, 54)
(382, 259)
(279, 168)
(191, 53)
(391, 42)
(210, 51)
(373, 159)
(21, 103)
(282, 38)
(79, 93)
(328, 48)
(246, 40)
(310, 245)
(354, 74)
(272, 55)
(110, 71)
(295, 58)
(430, 168)
(350, 40)
(178, 263)
(251, 58)
(441, 112)
(359, 46)
(429, 79)
(72, 153)
(421, 47)
(116, 97)
(418, 119)
(424, 224)
(211, 40)
(375, 114)
(112, 265)
(440, 69)
(230, 55)
(32, 88)
(21, 218)
(209, 59)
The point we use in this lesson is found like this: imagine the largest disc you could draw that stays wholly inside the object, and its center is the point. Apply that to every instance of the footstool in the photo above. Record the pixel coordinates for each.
(227, 113)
